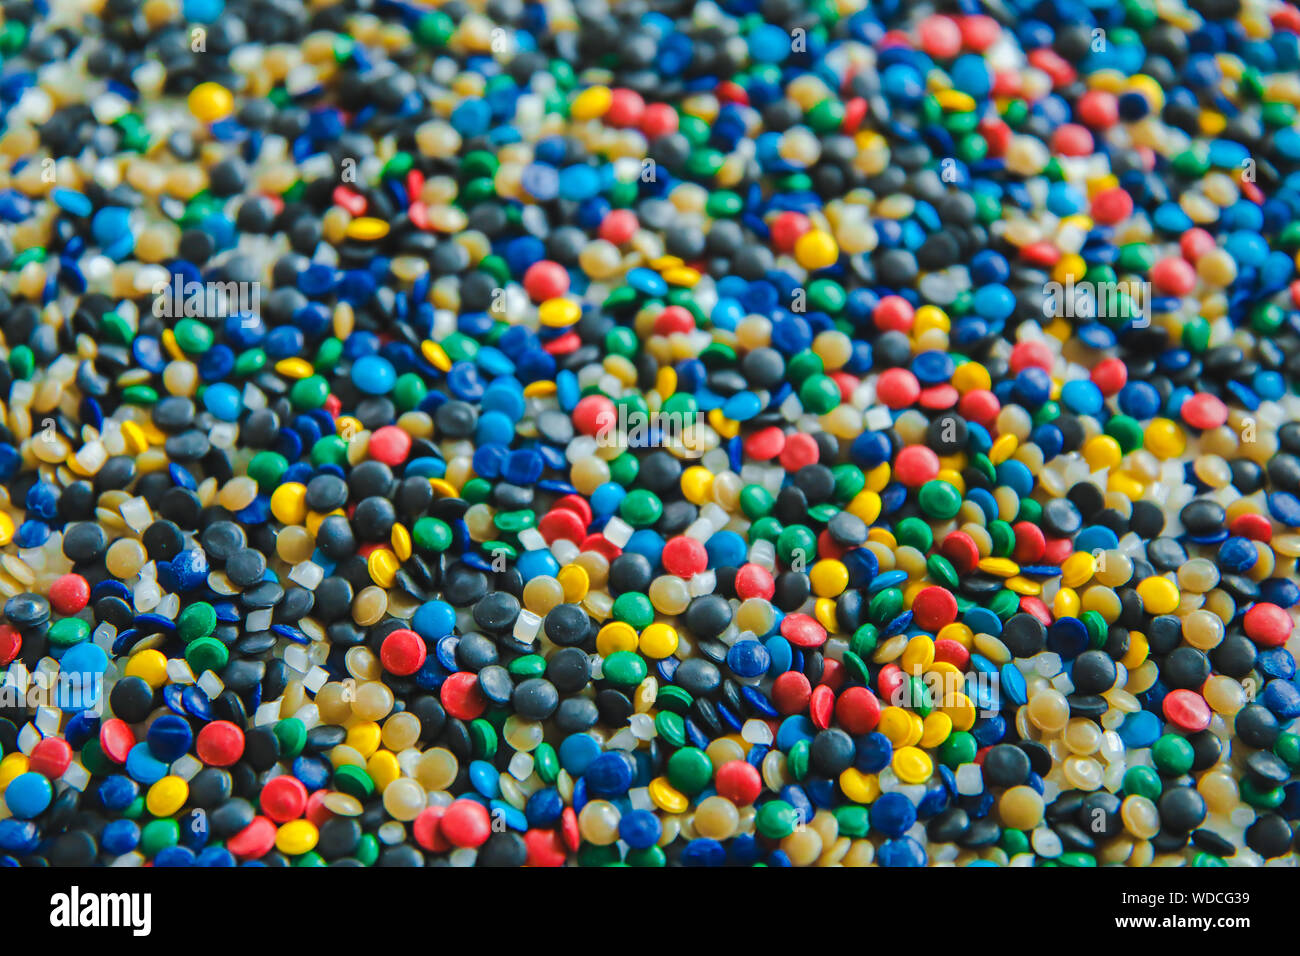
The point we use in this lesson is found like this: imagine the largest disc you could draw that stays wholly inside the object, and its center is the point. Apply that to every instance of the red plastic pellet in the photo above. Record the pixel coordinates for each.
(254, 841)
(1034, 607)
(1030, 543)
(997, 133)
(791, 692)
(618, 226)
(981, 406)
(1030, 354)
(1071, 139)
(544, 848)
(51, 757)
(729, 91)
(593, 414)
(403, 652)
(1195, 243)
(1174, 275)
(561, 523)
(317, 813)
(940, 36)
(821, 706)
(1109, 375)
(684, 557)
(848, 384)
(802, 630)
(461, 696)
(833, 674)
(116, 739)
(220, 744)
(765, 444)
(570, 833)
(828, 548)
(349, 199)
(933, 608)
(753, 580)
(961, 551)
(979, 31)
(659, 119)
(1098, 109)
(578, 505)
(1054, 65)
(889, 681)
(283, 798)
(893, 313)
(914, 465)
(1041, 254)
(855, 111)
(800, 450)
(466, 823)
(11, 643)
(938, 397)
(1267, 624)
(674, 318)
(390, 445)
(858, 710)
(69, 594)
(951, 652)
(546, 280)
(1187, 710)
(1253, 526)
(787, 228)
(738, 781)
(1204, 411)
(563, 345)
(1057, 550)
(601, 545)
(1111, 206)
(897, 388)
(427, 830)
(626, 108)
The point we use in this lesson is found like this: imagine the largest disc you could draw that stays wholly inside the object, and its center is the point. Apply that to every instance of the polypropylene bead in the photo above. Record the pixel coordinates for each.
(798, 465)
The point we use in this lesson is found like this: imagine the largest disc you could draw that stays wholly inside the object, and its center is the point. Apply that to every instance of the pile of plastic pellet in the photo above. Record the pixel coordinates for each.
(756, 432)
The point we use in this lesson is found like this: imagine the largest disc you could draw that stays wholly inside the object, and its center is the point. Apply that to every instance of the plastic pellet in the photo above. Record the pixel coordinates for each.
(654, 442)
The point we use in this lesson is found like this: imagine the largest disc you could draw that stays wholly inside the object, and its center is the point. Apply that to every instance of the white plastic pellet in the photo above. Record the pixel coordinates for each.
(643, 726)
(211, 685)
(970, 779)
(28, 738)
(267, 713)
(76, 776)
(565, 551)
(47, 720)
(521, 765)
(136, 513)
(309, 715)
(1046, 843)
(307, 574)
(316, 678)
(295, 658)
(617, 531)
(527, 626)
(186, 766)
(530, 539)
(703, 583)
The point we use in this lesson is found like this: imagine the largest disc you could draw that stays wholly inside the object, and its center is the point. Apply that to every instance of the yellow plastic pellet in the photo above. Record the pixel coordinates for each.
(658, 641)
(289, 503)
(210, 102)
(367, 229)
(150, 666)
(1159, 595)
